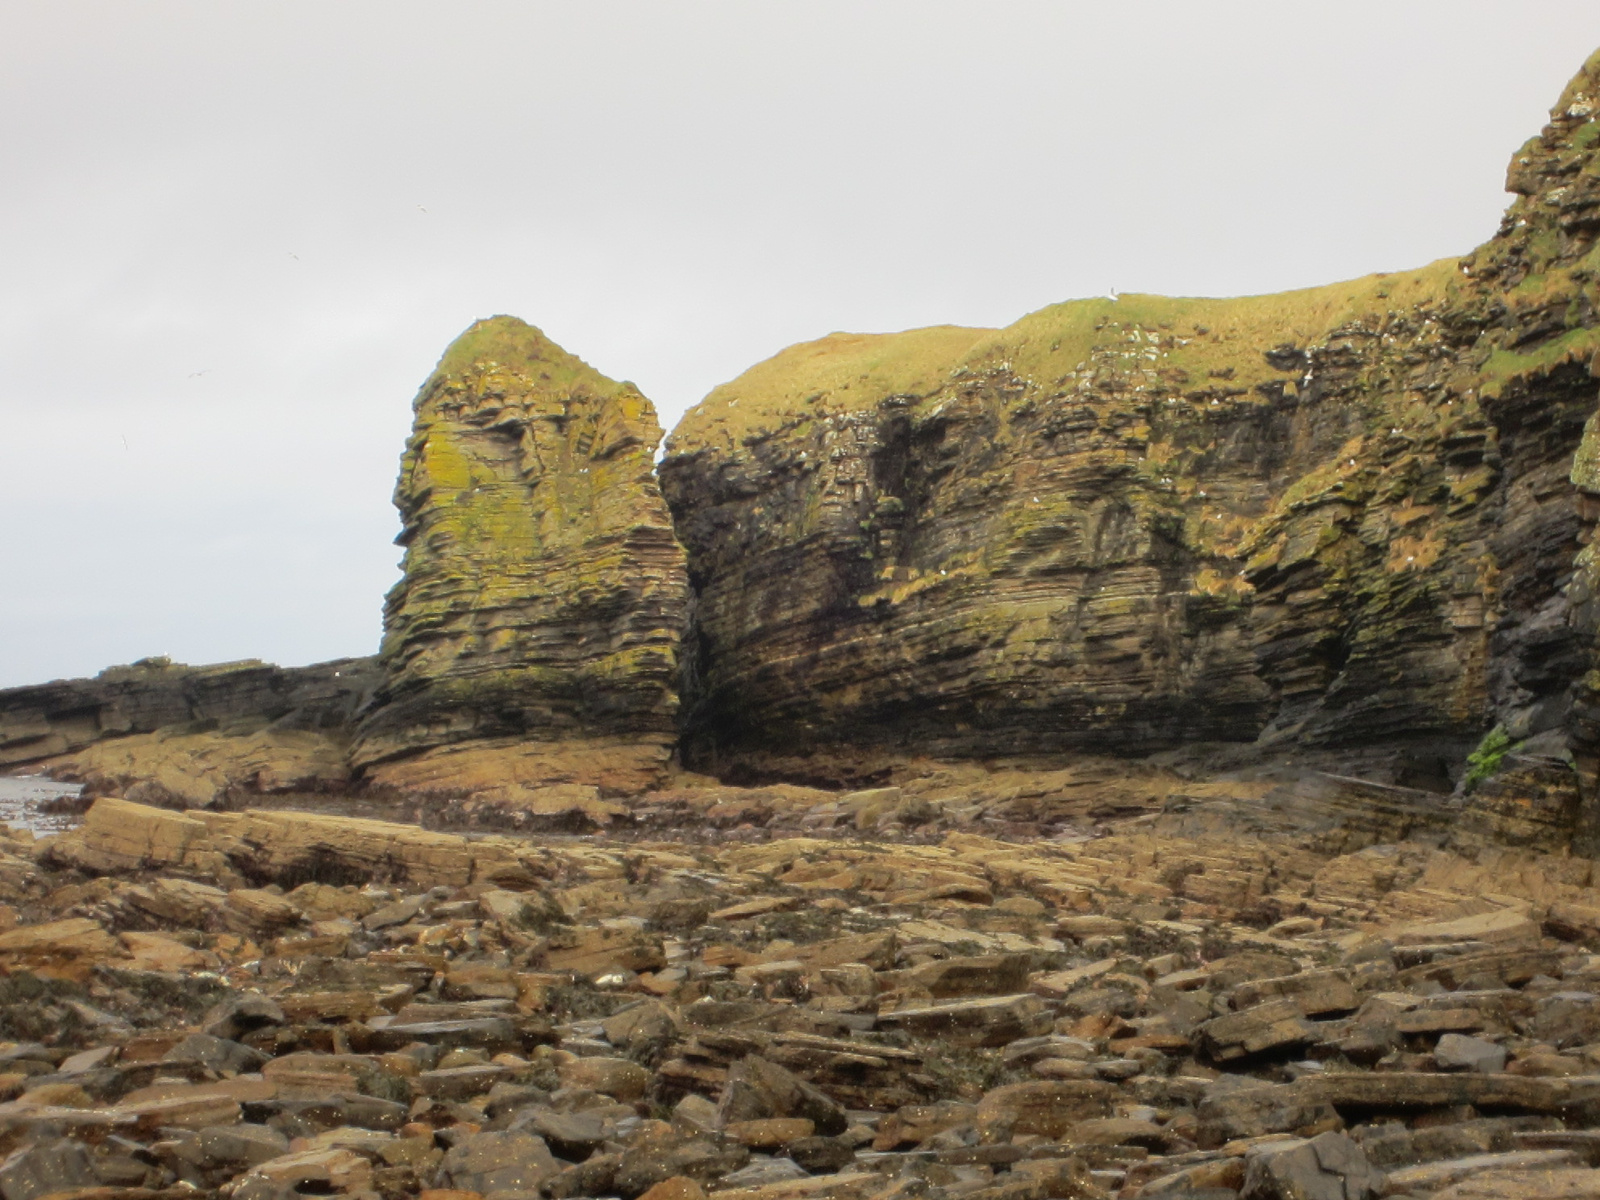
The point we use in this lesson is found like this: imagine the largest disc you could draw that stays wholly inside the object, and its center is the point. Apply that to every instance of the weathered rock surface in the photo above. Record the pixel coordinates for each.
(280, 1003)
(1304, 550)
(1335, 518)
(1345, 523)
(190, 734)
(538, 620)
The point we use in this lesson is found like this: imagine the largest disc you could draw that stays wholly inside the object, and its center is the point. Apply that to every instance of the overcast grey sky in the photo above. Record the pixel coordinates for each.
(234, 237)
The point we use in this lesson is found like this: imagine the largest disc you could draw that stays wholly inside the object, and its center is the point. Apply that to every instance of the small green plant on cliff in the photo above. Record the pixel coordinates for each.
(1485, 760)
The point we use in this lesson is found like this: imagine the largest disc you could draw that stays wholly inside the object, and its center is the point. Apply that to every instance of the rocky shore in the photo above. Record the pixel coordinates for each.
(269, 1004)
(1147, 751)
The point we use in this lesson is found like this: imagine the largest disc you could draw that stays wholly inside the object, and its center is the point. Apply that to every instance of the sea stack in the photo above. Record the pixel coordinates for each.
(533, 638)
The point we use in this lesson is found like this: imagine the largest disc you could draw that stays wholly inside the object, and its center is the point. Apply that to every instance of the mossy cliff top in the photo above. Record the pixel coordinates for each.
(1196, 343)
(512, 347)
(506, 412)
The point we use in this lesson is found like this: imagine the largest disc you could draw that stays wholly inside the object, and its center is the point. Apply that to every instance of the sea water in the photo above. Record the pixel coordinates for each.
(21, 796)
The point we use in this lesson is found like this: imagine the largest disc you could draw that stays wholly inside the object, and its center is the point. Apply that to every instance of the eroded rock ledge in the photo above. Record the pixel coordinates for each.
(191, 736)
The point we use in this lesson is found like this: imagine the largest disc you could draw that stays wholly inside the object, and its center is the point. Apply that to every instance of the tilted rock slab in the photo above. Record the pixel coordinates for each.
(280, 847)
(534, 636)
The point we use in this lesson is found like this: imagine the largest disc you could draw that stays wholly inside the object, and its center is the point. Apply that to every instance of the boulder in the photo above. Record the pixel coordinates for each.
(1273, 1026)
(498, 1162)
(68, 949)
(62, 1165)
(759, 1090)
(615, 1077)
(992, 1021)
(1049, 1108)
(1327, 1167)
(1456, 1052)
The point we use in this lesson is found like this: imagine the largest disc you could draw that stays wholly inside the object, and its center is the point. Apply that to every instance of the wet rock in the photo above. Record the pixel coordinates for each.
(1539, 1183)
(216, 1054)
(764, 1173)
(821, 1155)
(1235, 1108)
(1567, 1019)
(616, 1077)
(67, 949)
(1426, 1179)
(59, 1165)
(1271, 1027)
(572, 1136)
(321, 1170)
(983, 975)
(772, 1133)
(1049, 1108)
(679, 1187)
(239, 1145)
(992, 1021)
(1314, 993)
(664, 1157)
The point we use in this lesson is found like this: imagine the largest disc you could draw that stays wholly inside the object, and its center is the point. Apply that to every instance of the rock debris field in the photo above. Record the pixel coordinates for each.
(267, 1004)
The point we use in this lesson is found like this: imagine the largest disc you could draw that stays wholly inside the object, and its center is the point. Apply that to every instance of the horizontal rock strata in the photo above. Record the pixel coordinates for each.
(172, 734)
(543, 594)
(1325, 557)
(1340, 517)
(50, 719)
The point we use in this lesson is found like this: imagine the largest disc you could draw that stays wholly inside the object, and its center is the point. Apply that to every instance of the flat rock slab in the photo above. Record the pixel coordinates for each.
(991, 1021)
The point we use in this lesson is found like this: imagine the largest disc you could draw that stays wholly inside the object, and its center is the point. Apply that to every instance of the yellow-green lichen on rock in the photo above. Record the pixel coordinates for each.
(543, 593)
(1338, 516)
(1036, 539)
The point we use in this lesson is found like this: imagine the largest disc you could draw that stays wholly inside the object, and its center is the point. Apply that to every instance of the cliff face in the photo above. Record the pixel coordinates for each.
(50, 719)
(1333, 518)
(1539, 354)
(534, 635)
(1349, 526)
(189, 736)
(1075, 533)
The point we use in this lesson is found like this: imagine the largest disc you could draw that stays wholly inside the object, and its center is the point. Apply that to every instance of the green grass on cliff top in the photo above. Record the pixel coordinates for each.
(1205, 341)
(841, 371)
(521, 348)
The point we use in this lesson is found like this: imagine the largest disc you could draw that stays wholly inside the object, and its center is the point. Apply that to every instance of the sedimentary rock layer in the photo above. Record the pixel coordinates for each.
(66, 715)
(167, 733)
(1541, 344)
(543, 595)
(1337, 517)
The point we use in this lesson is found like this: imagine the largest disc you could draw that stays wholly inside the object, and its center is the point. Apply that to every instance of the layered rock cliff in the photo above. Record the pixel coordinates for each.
(1540, 354)
(1334, 518)
(191, 736)
(1348, 527)
(533, 638)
